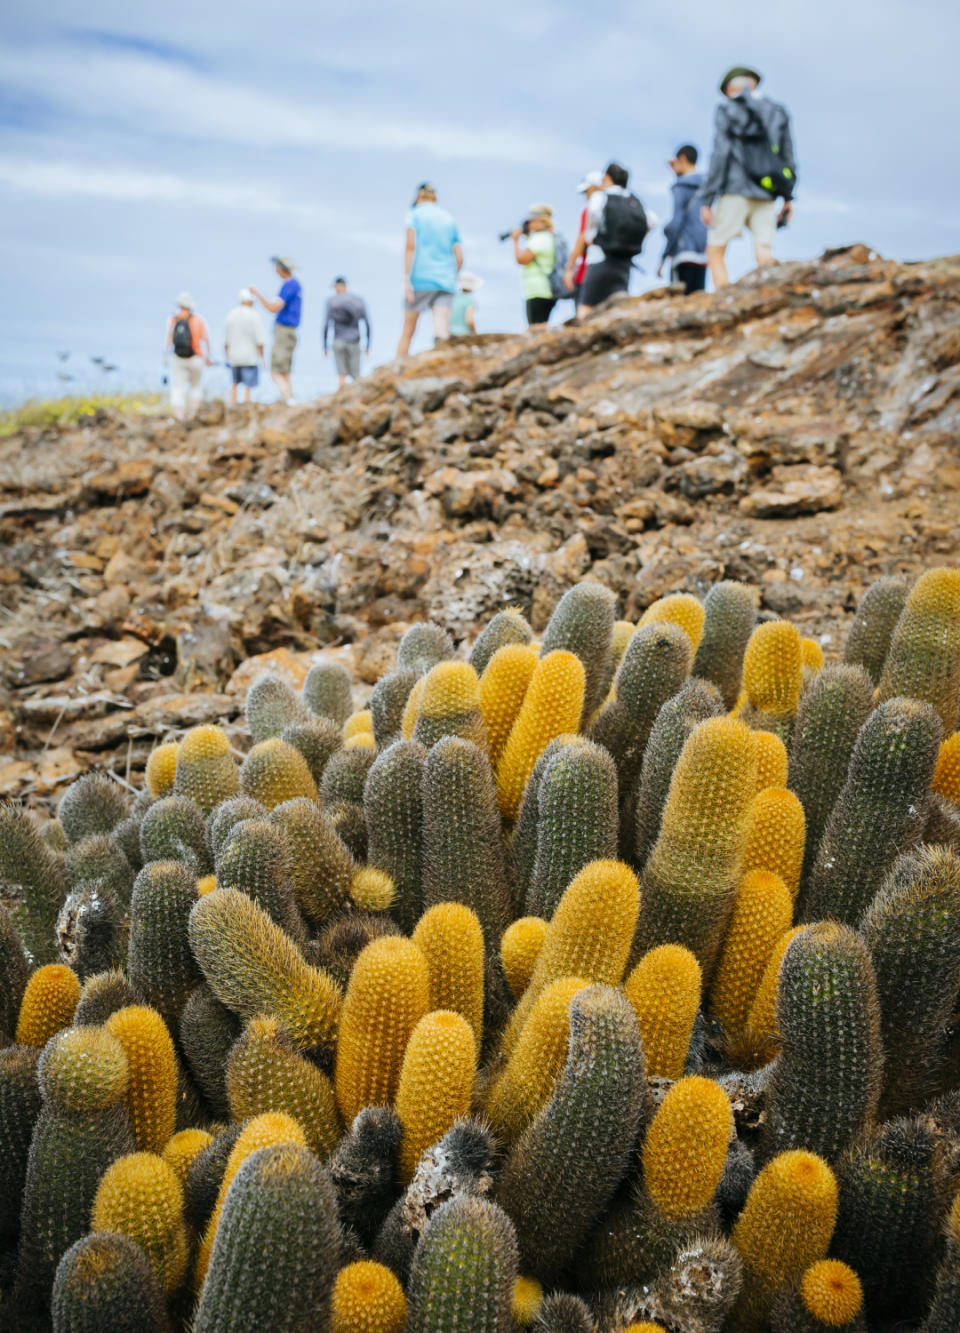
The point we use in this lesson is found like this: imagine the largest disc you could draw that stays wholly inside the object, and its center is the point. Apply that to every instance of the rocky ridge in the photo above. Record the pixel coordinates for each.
(799, 431)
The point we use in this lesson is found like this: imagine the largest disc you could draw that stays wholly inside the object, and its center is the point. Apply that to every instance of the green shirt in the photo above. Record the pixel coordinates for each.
(536, 276)
(462, 302)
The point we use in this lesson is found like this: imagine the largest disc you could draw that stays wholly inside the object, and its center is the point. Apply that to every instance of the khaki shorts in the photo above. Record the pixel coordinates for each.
(733, 212)
(284, 342)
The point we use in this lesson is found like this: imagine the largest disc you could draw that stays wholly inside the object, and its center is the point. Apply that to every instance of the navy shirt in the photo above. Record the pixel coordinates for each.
(289, 294)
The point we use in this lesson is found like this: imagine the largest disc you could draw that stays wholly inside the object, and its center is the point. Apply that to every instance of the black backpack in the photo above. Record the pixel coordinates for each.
(182, 337)
(761, 146)
(623, 226)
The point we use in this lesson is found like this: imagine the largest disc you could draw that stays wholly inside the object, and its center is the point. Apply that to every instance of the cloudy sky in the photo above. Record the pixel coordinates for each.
(145, 148)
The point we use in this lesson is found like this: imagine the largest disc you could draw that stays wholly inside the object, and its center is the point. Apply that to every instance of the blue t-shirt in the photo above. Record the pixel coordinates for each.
(434, 266)
(289, 294)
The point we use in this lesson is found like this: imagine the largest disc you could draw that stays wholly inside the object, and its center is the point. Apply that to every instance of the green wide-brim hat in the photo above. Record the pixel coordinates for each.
(740, 72)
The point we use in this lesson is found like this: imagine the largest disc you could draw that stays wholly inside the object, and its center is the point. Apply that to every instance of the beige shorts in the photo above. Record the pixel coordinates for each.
(733, 212)
(281, 355)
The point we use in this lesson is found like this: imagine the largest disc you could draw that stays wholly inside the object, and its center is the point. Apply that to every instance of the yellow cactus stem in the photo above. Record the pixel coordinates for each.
(761, 915)
(776, 828)
(180, 1151)
(274, 772)
(450, 939)
(140, 1196)
(358, 724)
(785, 1226)
(49, 1003)
(503, 686)
(263, 1131)
(811, 654)
(520, 948)
(664, 993)
(645, 1326)
(367, 1298)
(773, 668)
(679, 608)
(409, 719)
(152, 1089)
(436, 1083)
(206, 770)
(372, 890)
(946, 775)
(759, 1041)
(387, 995)
(831, 1293)
(552, 705)
(740, 705)
(162, 769)
(360, 740)
(527, 1299)
(771, 760)
(449, 705)
(685, 1149)
(206, 884)
(530, 1075)
(589, 935)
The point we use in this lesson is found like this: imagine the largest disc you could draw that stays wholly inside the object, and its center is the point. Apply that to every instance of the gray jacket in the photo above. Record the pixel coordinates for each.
(727, 174)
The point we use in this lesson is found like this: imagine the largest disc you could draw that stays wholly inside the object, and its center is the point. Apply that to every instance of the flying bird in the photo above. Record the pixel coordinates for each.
(63, 356)
(62, 376)
(97, 360)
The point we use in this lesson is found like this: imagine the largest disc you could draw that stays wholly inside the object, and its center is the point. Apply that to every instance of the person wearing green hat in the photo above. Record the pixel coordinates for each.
(752, 164)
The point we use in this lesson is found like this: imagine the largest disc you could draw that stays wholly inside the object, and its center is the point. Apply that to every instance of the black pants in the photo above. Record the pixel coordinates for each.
(609, 276)
(539, 309)
(693, 276)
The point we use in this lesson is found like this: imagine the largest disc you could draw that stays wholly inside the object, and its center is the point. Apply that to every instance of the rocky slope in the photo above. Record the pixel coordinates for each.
(799, 431)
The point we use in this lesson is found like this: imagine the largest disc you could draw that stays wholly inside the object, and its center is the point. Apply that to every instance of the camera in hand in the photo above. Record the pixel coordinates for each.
(524, 229)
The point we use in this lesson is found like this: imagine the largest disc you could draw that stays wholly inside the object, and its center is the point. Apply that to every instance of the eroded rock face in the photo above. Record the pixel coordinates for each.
(797, 430)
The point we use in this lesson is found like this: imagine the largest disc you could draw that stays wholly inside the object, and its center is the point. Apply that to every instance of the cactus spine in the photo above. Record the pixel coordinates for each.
(48, 1004)
(277, 1247)
(664, 993)
(773, 676)
(772, 762)
(785, 1226)
(139, 1196)
(462, 855)
(451, 941)
(27, 863)
(161, 771)
(762, 912)
(520, 947)
(924, 657)
(685, 1148)
(206, 771)
(274, 771)
(774, 837)
(463, 1270)
(868, 641)
(106, 1282)
(91, 804)
(436, 1082)
(394, 810)
(550, 1187)
(506, 628)
(449, 705)
(270, 706)
(265, 1074)
(880, 810)
(729, 618)
(828, 1016)
(152, 1087)
(503, 686)
(327, 691)
(552, 705)
(582, 623)
(367, 1298)
(387, 996)
(162, 968)
(577, 823)
(254, 968)
(677, 608)
(691, 877)
(828, 1296)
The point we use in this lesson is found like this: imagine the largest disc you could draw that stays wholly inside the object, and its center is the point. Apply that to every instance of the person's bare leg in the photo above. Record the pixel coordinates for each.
(284, 385)
(410, 318)
(233, 395)
(342, 382)
(247, 399)
(441, 323)
(716, 258)
(764, 256)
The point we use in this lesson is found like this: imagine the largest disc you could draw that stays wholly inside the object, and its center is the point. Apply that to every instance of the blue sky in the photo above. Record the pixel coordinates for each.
(147, 148)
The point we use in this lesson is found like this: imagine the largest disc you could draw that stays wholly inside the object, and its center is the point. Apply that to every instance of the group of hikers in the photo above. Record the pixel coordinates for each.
(749, 183)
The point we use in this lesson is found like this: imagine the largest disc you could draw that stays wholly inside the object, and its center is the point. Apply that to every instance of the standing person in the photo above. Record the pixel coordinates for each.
(188, 340)
(591, 183)
(432, 258)
(752, 164)
(686, 236)
(243, 345)
(463, 311)
(286, 306)
(345, 312)
(617, 224)
(535, 249)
